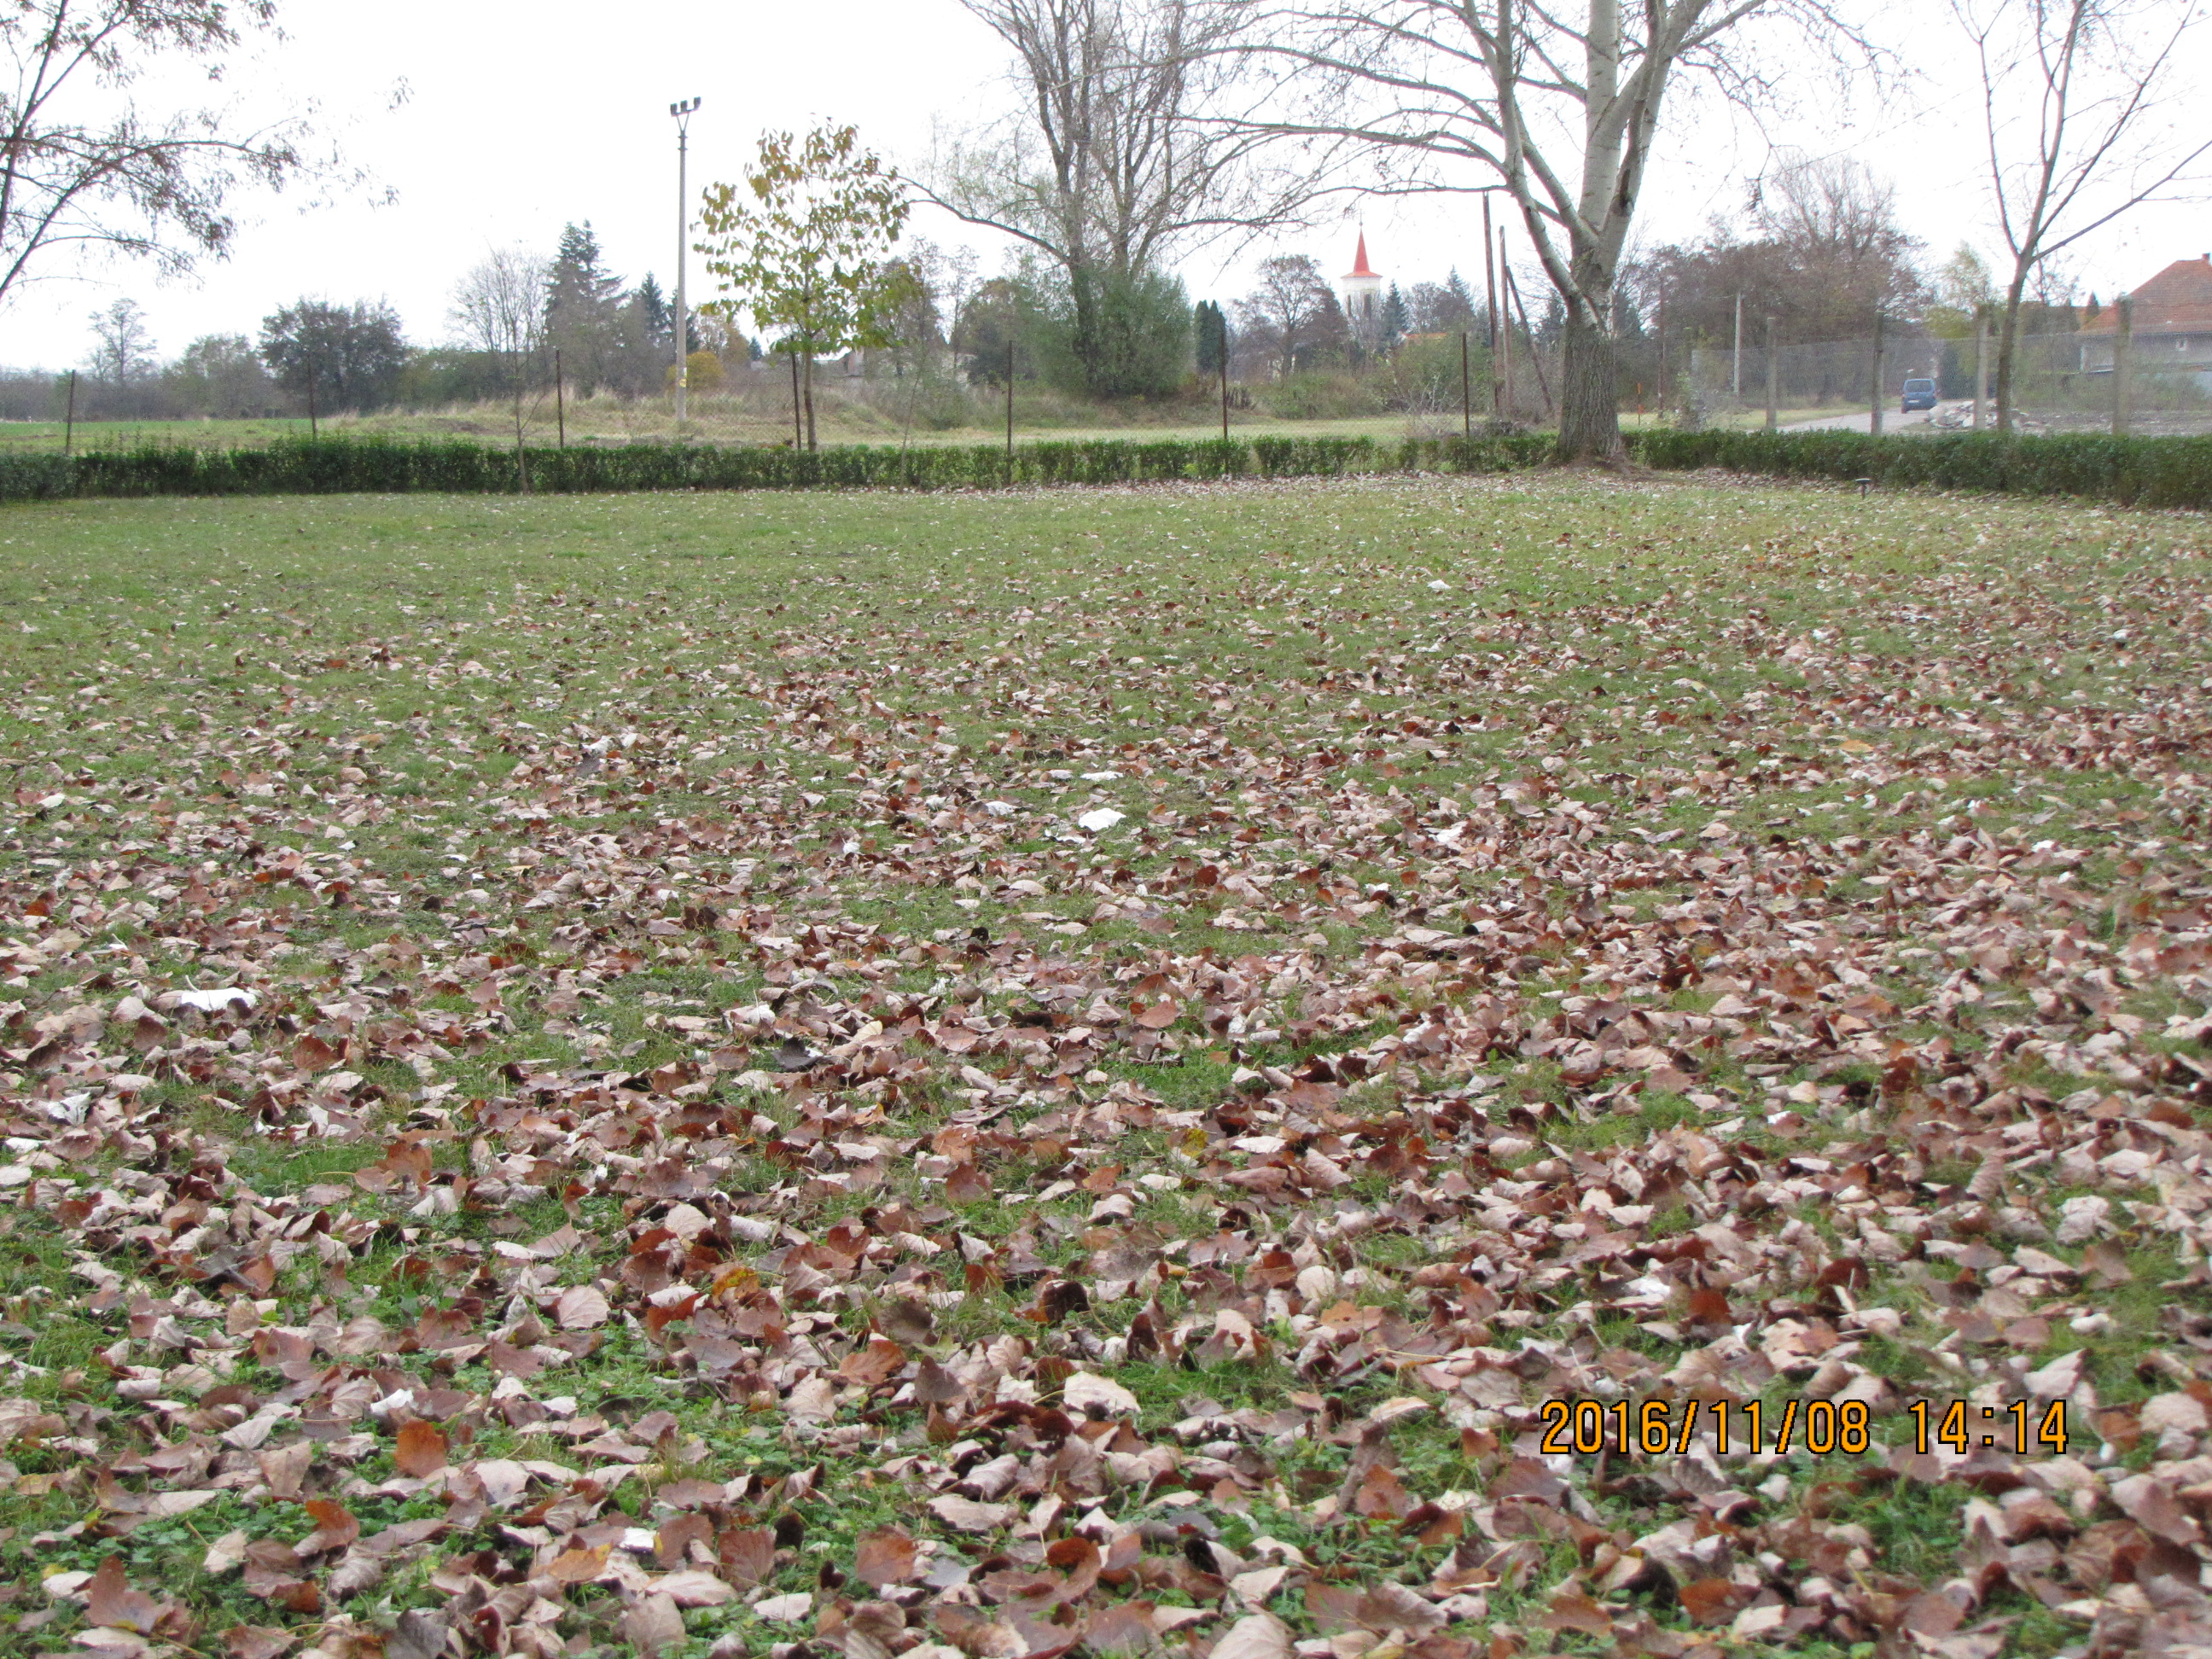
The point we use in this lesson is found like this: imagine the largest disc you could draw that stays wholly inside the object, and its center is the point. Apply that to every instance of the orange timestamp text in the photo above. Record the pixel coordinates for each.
(1658, 1428)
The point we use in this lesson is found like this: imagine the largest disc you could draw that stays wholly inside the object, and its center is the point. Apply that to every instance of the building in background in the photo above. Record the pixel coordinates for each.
(1363, 296)
(2171, 330)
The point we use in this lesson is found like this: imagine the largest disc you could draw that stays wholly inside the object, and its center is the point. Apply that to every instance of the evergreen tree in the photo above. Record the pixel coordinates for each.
(653, 309)
(582, 309)
(1391, 327)
(1211, 328)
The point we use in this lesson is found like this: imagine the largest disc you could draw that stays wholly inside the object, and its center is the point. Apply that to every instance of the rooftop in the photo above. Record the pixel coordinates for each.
(2178, 299)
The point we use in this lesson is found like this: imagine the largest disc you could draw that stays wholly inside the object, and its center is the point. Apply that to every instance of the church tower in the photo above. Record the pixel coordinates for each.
(1363, 292)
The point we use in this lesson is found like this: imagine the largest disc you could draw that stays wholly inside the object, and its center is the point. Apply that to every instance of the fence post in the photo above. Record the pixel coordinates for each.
(559, 403)
(2122, 350)
(798, 430)
(69, 421)
(1773, 382)
(314, 429)
(1981, 362)
(1874, 397)
(1010, 411)
(1735, 367)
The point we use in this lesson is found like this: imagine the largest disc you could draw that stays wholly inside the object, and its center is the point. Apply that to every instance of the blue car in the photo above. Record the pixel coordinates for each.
(1918, 394)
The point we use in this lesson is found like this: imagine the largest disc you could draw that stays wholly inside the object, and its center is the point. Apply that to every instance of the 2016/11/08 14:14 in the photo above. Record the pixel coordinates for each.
(1820, 1426)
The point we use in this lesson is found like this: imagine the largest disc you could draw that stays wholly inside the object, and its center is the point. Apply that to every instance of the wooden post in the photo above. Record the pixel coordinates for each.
(1874, 395)
(1010, 411)
(1543, 381)
(1221, 340)
(2123, 375)
(1466, 390)
(1773, 381)
(69, 421)
(798, 423)
(313, 430)
(1490, 289)
(560, 402)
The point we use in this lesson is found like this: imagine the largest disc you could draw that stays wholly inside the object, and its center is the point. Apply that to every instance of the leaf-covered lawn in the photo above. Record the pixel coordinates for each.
(851, 1075)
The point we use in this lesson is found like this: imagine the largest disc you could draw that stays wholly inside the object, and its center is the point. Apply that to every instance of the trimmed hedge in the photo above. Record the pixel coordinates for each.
(2138, 471)
(332, 466)
(2143, 471)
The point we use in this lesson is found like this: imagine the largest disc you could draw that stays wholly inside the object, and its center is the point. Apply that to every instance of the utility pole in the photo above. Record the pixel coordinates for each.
(1874, 394)
(1773, 381)
(1506, 328)
(682, 112)
(1490, 287)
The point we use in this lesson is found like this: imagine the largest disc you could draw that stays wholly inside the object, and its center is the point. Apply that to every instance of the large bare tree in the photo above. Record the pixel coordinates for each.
(2081, 124)
(1114, 160)
(1558, 103)
(88, 166)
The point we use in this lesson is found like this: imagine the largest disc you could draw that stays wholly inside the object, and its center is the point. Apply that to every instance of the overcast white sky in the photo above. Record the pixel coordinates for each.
(522, 116)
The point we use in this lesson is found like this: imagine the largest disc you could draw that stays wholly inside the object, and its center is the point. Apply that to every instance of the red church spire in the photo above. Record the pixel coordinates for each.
(1360, 263)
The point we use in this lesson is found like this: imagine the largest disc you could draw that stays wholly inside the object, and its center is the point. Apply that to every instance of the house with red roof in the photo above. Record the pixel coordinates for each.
(2171, 332)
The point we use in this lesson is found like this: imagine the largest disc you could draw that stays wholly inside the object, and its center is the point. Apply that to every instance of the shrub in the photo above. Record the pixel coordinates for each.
(2144, 472)
(2138, 471)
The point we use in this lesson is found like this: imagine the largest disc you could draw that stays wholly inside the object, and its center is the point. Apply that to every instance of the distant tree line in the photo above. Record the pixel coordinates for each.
(355, 358)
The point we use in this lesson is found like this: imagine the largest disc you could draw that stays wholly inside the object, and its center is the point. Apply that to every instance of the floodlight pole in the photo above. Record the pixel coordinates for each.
(682, 112)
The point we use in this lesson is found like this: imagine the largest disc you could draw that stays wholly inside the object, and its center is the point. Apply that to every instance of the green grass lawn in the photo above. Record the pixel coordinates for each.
(993, 1072)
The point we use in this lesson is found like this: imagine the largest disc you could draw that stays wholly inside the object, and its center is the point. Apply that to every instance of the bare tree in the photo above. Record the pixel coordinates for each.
(2079, 123)
(498, 309)
(1558, 104)
(1116, 160)
(123, 350)
(83, 165)
(1292, 312)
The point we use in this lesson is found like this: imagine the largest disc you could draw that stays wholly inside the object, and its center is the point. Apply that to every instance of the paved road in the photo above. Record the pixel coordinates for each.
(1862, 422)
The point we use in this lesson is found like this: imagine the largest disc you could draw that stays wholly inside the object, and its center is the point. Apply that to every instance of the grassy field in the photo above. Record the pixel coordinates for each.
(949, 1075)
(612, 420)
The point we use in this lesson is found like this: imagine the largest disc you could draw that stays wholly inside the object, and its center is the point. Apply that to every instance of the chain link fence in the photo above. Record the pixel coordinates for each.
(2162, 383)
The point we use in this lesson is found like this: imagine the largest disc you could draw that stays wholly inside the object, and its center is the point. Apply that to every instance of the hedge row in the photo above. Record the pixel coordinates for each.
(2140, 472)
(2145, 471)
(332, 466)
